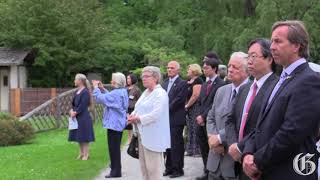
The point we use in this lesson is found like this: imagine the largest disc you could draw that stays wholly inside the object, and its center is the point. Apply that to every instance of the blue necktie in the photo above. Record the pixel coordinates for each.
(233, 96)
(283, 77)
(169, 85)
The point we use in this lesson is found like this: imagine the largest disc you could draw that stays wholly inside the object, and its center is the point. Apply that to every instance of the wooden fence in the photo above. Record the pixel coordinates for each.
(54, 113)
(25, 100)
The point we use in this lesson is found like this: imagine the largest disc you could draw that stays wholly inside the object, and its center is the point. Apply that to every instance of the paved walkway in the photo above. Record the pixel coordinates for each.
(131, 168)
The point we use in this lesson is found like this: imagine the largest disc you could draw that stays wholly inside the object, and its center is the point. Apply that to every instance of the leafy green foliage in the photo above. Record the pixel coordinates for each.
(13, 131)
(66, 33)
(106, 36)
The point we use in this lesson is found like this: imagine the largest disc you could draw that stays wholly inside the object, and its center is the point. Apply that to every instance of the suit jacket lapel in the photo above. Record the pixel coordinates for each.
(173, 87)
(204, 89)
(226, 101)
(213, 86)
(259, 96)
(283, 85)
(165, 85)
(243, 97)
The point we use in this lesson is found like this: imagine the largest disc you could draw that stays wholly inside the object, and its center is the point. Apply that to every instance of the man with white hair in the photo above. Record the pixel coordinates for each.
(177, 92)
(220, 164)
(246, 109)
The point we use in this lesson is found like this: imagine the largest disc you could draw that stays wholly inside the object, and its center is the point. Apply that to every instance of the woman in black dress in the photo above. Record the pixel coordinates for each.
(192, 108)
(134, 94)
(80, 104)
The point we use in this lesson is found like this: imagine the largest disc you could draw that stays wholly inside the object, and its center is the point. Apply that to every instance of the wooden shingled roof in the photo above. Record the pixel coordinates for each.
(9, 56)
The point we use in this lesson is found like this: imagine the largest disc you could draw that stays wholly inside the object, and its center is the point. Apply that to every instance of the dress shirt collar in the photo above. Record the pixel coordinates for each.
(173, 79)
(294, 65)
(261, 81)
(213, 78)
(238, 87)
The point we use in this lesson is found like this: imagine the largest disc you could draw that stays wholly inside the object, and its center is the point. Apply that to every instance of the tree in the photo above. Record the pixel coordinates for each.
(66, 33)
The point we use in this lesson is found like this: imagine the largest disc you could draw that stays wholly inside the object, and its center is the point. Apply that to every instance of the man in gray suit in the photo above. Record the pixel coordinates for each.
(220, 164)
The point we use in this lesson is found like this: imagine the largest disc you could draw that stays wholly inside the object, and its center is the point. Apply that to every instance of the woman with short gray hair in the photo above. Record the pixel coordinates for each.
(155, 72)
(151, 119)
(114, 117)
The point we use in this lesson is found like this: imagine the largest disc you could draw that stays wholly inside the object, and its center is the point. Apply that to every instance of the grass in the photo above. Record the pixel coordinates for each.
(51, 156)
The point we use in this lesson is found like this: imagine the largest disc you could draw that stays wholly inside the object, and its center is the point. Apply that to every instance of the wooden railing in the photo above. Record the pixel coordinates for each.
(54, 113)
(25, 100)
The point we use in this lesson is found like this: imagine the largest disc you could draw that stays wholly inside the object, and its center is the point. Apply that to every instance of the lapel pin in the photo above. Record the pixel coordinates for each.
(288, 77)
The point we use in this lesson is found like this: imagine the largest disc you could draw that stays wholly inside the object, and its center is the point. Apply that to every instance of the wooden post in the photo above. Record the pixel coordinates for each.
(53, 94)
(58, 112)
(15, 101)
(55, 110)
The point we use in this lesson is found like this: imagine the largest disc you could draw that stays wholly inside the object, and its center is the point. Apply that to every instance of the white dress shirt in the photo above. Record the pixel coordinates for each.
(259, 83)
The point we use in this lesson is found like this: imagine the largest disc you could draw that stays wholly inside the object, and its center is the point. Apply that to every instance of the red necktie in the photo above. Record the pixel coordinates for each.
(209, 86)
(244, 120)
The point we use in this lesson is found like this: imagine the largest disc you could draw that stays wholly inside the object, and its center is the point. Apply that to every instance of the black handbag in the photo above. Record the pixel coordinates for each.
(133, 149)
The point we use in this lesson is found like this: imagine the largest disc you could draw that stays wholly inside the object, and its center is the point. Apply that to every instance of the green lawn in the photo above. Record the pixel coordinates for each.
(51, 156)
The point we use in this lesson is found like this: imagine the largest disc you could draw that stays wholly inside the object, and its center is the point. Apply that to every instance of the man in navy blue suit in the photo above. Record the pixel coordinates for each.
(289, 120)
(177, 91)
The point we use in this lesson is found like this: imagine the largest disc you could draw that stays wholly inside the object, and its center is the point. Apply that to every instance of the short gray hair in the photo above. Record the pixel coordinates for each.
(176, 62)
(155, 71)
(119, 79)
(243, 57)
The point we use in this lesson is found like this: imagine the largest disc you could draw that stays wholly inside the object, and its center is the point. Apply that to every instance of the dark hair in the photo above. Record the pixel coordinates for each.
(265, 50)
(213, 62)
(133, 78)
(210, 55)
(297, 34)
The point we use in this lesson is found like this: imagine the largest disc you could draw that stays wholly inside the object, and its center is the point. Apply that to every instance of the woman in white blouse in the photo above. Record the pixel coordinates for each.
(151, 118)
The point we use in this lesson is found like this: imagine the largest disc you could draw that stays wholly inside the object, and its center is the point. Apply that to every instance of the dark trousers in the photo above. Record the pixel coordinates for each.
(203, 143)
(175, 155)
(114, 143)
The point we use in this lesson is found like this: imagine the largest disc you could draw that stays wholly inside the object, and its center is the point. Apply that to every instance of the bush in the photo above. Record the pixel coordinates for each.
(13, 131)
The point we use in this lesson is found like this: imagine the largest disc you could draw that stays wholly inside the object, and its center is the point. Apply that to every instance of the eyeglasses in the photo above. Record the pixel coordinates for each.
(206, 67)
(145, 76)
(254, 57)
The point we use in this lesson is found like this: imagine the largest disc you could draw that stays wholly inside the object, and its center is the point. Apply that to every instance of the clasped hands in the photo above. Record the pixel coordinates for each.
(72, 113)
(234, 152)
(215, 145)
(132, 119)
(250, 168)
(200, 120)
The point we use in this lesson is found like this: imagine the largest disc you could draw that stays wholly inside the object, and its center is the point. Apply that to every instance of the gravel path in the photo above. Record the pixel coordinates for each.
(131, 169)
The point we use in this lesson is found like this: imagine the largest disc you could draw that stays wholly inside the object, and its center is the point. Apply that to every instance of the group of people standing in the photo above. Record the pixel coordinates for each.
(252, 126)
(118, 103)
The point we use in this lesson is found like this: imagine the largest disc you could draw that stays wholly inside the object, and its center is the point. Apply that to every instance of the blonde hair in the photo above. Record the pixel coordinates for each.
(86, 83)
(119, 79)
(196, 69)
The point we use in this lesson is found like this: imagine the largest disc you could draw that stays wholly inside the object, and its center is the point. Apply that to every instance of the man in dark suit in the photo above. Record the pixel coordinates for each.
(247, 107)
(207, 93)
(289, 122)
(177, 91)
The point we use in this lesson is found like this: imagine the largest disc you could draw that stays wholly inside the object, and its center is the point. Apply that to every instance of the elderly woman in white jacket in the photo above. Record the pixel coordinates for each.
(151, 118)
